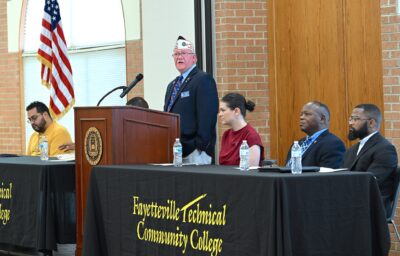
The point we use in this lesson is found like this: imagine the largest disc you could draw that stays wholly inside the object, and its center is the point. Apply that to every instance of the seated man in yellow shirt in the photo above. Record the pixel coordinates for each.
(40, 119)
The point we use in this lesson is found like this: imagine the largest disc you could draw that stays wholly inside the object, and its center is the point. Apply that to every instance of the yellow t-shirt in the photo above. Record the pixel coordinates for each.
(56, 135)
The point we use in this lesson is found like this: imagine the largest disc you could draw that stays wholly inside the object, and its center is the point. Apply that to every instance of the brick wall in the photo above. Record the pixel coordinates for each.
(11, 129)
(390, 28)
(134, 65)
(241, 57)
(241, 65)
(391, 61)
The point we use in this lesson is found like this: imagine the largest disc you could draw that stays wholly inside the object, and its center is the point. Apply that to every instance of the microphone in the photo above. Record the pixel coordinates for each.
(138, 78)
(108, 93)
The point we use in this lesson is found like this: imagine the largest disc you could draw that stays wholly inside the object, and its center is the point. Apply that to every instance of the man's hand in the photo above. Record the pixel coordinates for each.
(67, 146)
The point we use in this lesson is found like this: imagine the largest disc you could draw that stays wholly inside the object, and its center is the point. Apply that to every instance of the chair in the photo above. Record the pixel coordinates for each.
(390, 220)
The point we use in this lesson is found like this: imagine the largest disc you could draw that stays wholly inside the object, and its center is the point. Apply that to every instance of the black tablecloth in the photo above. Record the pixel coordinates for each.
(242, 213)
(41, 205)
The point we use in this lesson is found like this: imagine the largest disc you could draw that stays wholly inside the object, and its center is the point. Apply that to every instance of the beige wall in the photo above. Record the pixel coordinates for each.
(162, 23)
(14, 8)
(132, 17)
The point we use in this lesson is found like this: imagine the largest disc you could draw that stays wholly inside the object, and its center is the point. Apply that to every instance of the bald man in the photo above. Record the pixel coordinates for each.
(319, 147)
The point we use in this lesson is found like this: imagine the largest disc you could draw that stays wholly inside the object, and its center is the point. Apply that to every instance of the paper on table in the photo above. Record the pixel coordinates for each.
(66, 157)
(326, 169)
(250, 168)
(170, 164)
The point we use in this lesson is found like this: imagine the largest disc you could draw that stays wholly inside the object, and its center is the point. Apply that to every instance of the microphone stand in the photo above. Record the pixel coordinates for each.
(108, 93)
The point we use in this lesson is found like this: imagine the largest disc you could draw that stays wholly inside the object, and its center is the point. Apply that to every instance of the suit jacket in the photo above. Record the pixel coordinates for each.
(379, 157)
(197, 104)
(326, 151)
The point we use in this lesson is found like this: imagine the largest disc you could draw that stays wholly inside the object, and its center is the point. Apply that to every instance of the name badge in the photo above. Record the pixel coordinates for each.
(185, 94)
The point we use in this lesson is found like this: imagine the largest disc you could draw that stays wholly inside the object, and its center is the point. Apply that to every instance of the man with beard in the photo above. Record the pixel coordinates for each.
(373, 153)
(40, 119)
(320, 147)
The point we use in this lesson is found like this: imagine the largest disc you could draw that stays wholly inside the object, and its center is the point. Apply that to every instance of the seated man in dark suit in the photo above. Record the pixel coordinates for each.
(320, 147)
(373, 153)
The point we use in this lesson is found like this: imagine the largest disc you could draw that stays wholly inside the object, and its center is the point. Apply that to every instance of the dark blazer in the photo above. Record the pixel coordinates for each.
(379, 157)
(197, 104)
(326, 151)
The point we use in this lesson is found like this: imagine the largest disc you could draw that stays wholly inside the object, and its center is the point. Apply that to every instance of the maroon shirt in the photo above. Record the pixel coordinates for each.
(231, 141)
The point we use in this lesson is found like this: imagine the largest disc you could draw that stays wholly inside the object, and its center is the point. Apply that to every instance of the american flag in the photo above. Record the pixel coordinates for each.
(56, 71)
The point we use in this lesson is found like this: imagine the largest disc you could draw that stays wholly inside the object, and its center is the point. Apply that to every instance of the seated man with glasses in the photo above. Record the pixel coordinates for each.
(373, 153)
(40, 119)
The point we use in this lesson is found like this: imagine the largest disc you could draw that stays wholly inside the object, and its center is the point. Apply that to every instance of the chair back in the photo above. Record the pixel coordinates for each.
(396, 194)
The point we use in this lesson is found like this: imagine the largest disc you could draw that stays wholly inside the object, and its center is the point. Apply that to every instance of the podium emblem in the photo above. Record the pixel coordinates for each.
(93, 146)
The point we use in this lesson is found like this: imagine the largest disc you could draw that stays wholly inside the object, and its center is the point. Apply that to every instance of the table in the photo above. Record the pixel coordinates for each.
(37, 203)
(219, 210)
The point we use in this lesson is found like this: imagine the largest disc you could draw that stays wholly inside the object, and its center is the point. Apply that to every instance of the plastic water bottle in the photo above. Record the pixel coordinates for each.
(296, 158)
(44, 148)
(177, 149)
(244, 156)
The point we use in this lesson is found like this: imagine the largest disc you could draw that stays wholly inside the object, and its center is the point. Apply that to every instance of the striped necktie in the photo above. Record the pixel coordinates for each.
(175, 91)
(306, 143)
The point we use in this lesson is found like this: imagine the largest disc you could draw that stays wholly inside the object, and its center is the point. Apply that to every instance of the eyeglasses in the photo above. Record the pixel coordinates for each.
(33, 118)
(183, 54)
(356, 118)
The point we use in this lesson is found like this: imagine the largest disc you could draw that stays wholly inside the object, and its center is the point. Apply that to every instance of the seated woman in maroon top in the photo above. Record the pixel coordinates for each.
(232, 111)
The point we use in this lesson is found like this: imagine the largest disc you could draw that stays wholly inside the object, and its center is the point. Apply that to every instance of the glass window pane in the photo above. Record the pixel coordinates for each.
(83, 24)
(96, 22)
(95, 73)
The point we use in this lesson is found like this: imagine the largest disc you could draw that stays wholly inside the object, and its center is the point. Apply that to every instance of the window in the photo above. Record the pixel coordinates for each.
(83, 26)
(96, 42)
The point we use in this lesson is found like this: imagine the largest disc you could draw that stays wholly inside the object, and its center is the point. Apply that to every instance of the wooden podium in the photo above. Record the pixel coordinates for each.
(118, 135)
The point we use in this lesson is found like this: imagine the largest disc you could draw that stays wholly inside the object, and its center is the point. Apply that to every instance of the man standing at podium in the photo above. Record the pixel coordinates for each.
(193, 95)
